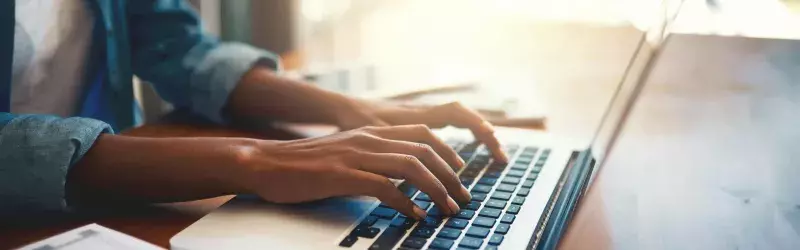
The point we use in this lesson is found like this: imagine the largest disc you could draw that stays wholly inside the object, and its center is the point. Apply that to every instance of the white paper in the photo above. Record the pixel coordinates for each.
(90, 237)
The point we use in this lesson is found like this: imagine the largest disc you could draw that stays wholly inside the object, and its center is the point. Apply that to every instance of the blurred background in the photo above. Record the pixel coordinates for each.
(523, 58)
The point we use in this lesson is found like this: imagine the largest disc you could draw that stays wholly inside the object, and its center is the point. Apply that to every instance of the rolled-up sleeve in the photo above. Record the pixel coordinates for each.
(36, 152)
(217, 73)
(188, 67)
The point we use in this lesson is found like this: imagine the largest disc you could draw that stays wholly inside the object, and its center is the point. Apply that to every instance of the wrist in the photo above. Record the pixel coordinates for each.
(242, 157)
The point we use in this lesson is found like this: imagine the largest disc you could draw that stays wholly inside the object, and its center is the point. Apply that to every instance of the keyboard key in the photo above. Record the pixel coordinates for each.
(487, 181)
(424, 205)
(465, 214)
(524, 192)
(498, 165)
(516, 173)
(506, 187)
(478, 232)
(414, 243)
(492, 174)
(456, 223)
(502, 228)
(431, 221)
(476, 165)
(383, 212)
(348, 241)
(473, 205)
(527, 184)
(513, 209)
(470, 172)
(440, 243)
(465, 156)
(388, 238)
(482, 188)
(518, 200)
(366, 232)
(520, 167)
(423, 197)
(523, 160)
(469, 242)
(508, 218)
(479, 197)
(449, 233)
(402, 223)
(435, 211)
(408, 189)
(422, 232)
(499, 204)
(482, 156)
(490, 247)
(501, 195)
(511, 180)
(369, 221)
(490, 212)
(536, 169)
(532, 176)
(496, 239)
(484, 222)
(466, 181)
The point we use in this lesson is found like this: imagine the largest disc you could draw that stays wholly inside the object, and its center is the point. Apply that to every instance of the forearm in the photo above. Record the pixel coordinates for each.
(144, 170)
(263, 95)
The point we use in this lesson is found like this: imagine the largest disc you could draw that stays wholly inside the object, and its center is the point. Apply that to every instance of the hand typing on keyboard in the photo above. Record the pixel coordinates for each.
(357, 162)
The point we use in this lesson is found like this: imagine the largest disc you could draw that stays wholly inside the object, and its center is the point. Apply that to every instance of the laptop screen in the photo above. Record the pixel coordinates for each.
(632, 81)
(622, 101)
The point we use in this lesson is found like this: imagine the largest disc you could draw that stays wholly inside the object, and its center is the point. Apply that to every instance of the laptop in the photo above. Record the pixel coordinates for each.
(524, 204)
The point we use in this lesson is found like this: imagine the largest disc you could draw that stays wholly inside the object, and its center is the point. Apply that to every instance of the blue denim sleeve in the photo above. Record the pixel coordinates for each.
(187, 67)
(36, 152)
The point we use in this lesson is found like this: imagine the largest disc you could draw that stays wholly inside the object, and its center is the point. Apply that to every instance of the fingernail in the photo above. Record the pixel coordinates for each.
(420, 214)
(461, 163)
(454, 208)
(465, 195)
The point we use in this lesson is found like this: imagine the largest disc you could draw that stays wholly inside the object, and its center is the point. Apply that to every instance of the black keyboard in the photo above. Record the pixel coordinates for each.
(498, 193)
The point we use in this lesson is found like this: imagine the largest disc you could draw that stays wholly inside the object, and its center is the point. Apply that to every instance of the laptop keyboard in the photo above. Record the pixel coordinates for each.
(498, 192)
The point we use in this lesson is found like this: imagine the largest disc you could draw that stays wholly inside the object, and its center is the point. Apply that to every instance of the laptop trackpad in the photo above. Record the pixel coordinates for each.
(250, 223)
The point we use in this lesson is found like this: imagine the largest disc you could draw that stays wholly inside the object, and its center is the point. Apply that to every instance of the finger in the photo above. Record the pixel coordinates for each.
(457, 115)
(423, 134)
(431, 158)
(360, 119)
(408, 167)
(356, 182)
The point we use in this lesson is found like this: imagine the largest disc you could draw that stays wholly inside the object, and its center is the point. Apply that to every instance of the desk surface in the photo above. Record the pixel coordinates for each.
(720, 121)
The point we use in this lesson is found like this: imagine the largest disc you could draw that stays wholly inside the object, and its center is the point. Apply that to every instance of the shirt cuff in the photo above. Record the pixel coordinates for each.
(36, 152)
(219, 72)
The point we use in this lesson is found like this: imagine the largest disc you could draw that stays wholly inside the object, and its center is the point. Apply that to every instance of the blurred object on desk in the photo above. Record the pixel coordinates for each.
(501, 107)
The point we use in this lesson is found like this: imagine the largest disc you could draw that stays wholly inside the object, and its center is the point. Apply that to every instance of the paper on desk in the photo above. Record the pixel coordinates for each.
(90, 237)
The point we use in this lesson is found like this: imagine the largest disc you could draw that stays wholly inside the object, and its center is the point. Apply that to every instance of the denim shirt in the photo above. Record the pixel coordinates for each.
(159, 41)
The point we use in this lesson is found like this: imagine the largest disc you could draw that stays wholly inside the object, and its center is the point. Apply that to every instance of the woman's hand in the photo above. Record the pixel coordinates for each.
(261, 94)
(356, 162)
(362, 113)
